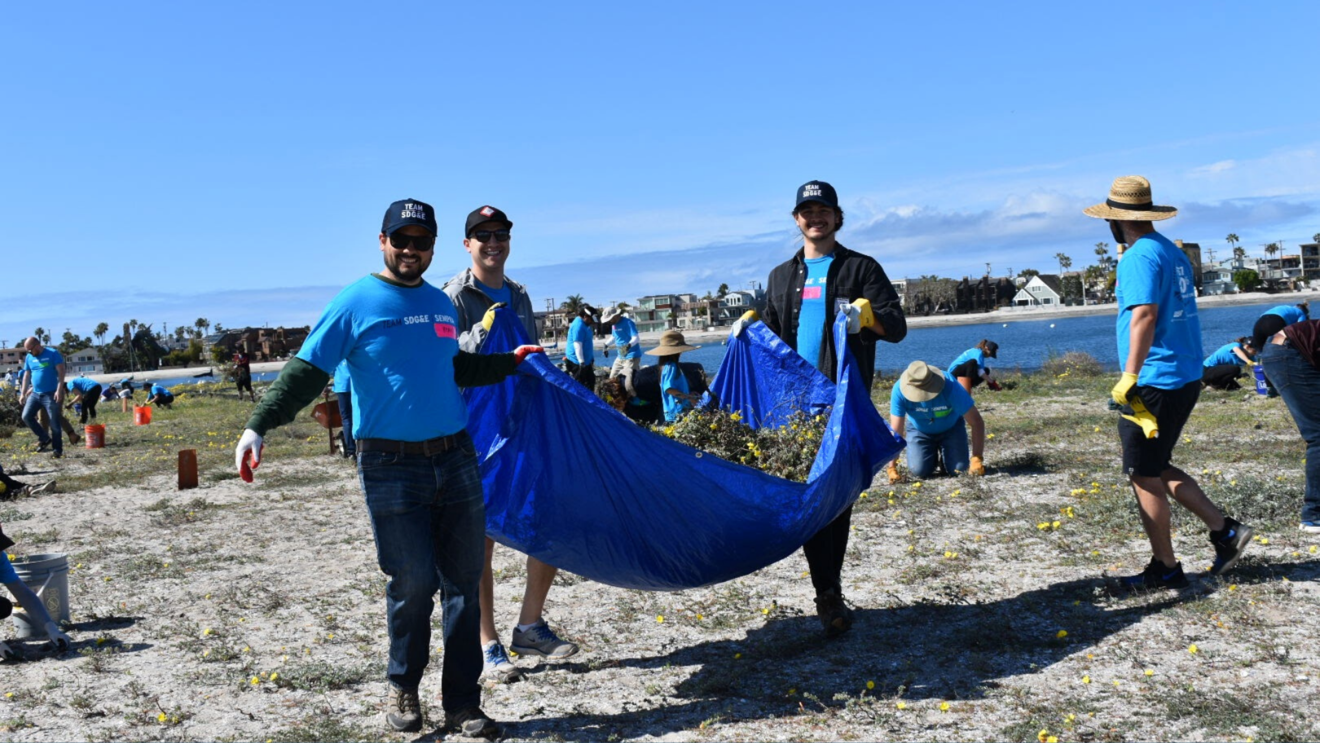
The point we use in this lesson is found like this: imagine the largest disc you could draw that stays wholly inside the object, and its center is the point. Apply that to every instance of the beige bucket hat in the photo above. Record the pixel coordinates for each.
(610, 315)
(1130, 201)
(921, 382)
(671, 342)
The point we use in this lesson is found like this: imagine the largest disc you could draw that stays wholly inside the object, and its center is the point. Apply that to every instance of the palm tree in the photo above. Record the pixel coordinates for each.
(41, 335)
(1065, 262)
(1102, 254)
(100, 332)
(1315, 238)
(1271, 249)
(1239, 253)
(201, 324)
(1233, 239)
(724, 288)
(573, 305)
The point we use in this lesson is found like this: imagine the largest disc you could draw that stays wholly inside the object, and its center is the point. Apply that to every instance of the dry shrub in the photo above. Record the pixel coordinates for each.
(1074, 364)
(786, 451)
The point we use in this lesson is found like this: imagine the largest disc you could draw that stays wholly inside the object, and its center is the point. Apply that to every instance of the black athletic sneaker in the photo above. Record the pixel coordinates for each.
(835, 616)
(473, 723)
(1155, 576)
(1229, 542)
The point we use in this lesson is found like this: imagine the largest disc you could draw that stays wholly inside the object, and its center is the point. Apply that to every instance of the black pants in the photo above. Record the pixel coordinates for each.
(1266, 326)
(824, 553)
(1222, 376)
(585, 375)
(968, 369)
(88, 402)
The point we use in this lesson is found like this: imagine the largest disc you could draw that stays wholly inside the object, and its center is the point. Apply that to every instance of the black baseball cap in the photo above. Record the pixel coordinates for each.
(409, 211)
(818, 191)
(485, 214)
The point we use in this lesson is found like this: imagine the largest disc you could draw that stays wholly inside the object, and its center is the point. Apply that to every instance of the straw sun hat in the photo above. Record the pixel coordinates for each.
(1130, 201)
(921, 382)
(671, 342)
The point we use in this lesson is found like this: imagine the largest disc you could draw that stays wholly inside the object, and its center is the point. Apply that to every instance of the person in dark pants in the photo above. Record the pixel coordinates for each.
(343, 389)
(803, 296)
(580, 347)
(1224, 367)
(243, 374)
(1275, 319)
(1159, 347)
(1291, 358)
(88, 393)
(43, 389)
(416, 462)
(970, 368)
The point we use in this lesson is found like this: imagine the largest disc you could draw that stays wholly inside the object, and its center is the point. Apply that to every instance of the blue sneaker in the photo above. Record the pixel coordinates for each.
(1311, 527)
(1155, 576)
(496, 666)
(540, 640)
(1229, 543)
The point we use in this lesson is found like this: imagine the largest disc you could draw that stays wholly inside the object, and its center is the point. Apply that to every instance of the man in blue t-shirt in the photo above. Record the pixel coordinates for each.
(939, 411)
(1223, 367)
(580, 349)
(88, 394)
(159, 396)
(43, 389)
(1159, 348)
(416, 463)
(623, 334)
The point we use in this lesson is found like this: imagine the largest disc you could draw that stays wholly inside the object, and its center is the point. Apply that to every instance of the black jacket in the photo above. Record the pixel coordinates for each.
(852, 276)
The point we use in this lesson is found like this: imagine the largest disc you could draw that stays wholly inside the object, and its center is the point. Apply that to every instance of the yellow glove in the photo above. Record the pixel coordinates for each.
(488, 319)
(892, 472)
(977, 467)
(748, 317)
(1124, 386)
(1144, 418)
(864, 310)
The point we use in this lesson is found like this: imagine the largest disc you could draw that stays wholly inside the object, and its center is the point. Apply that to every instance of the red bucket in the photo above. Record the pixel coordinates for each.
(95, 434)
(141, 414)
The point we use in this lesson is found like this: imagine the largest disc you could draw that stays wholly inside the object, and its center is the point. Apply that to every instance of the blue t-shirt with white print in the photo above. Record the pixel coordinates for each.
(624, 331)
(671, 378)
(1154, 271)
(811, 318)
(580, 332)
(937, 414)
(399, 343)
(968, 355)
(501, 294)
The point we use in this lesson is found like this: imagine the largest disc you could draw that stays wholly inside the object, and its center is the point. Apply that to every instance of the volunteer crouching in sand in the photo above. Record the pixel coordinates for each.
(940, 411)
(416, 462)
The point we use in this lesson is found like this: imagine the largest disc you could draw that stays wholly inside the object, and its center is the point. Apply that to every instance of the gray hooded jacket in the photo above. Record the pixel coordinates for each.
(472, 303)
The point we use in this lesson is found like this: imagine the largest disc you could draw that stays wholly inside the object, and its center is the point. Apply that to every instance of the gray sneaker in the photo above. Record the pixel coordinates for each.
(473, 723)
(404, 710)
(496, 666)
(540, 640)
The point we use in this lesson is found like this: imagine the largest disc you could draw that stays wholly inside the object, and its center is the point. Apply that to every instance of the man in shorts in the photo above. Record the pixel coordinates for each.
(1159, 346)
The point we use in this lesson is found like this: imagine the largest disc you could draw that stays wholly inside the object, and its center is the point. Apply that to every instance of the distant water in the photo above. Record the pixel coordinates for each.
(1024, 344)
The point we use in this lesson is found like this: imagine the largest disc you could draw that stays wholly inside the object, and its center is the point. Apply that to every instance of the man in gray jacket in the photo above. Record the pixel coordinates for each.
(476, 292)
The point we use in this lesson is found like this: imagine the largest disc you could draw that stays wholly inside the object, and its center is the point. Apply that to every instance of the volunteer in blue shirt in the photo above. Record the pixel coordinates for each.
(43, 389)
(939, 411)
(675, 395)
(1159, 342)
(1277, 318)
(579, 347)
(342, 386)
(623, 334)
(159, 396)
(970, 368)
(88, 393)
(1223, 367)
(416, 462)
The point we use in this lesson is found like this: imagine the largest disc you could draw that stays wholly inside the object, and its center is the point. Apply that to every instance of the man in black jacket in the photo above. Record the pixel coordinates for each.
(802, 297)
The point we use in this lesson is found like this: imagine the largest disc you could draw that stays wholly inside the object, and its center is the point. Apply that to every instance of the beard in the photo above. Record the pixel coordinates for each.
(1117, 232)
(405, 271)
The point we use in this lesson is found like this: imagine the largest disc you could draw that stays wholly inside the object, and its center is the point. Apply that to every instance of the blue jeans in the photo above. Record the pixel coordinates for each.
(346, 417)
(428, 516)
(1298, 383)
(925, 449)
(44, 400)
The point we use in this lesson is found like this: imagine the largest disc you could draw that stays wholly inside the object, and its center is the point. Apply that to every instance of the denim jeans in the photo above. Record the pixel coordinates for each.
(1298, 383)
(924, 450)
(428, 517)
(346, 416)
(45, 400)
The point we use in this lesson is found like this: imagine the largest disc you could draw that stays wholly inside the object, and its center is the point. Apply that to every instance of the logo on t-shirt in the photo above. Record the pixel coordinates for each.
(811, 292)
(445, 330)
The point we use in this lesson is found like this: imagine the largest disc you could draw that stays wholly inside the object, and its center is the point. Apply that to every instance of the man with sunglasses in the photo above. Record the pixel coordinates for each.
(477, 292)
(416, 462)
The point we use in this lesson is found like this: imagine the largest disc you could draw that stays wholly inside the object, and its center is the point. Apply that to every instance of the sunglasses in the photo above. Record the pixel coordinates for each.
(420, 243)
(485, 236)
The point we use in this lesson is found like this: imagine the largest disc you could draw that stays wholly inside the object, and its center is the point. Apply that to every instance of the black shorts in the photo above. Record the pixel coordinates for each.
(244, 379)
(1151, 457)
(967, 369)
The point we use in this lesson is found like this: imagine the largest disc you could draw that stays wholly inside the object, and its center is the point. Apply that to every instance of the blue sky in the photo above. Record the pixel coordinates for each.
(165, 161)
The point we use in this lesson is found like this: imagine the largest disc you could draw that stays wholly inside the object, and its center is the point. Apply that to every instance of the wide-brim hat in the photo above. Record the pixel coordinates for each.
(1130, 201)
(671, 342)
(611, 315)
(921, 382)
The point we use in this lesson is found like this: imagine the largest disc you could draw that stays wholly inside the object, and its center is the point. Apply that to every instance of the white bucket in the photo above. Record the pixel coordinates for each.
(48, 577)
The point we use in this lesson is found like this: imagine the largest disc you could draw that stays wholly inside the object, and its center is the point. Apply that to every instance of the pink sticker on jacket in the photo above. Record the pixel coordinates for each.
(811, 292)
(445, 330)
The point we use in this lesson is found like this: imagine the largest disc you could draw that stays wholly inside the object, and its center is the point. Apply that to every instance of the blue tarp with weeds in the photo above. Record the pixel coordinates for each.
(574, 483)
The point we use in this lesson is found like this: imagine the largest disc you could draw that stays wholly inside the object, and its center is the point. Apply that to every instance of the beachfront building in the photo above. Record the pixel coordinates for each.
(1043, 290)
(84, 362)
(735, 303)
(1217, 279)
(11, 359)
(1310, 262)
(655, 313)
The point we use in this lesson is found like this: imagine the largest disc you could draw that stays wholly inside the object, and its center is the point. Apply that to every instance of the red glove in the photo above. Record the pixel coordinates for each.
(992, 384)
(521, 352)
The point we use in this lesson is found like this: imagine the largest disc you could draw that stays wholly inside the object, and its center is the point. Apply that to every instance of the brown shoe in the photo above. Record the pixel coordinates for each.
(835, 616)
(404, 711)
(473, 723)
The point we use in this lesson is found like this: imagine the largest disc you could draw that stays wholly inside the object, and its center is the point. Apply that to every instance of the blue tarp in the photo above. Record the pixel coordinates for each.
(577, 485)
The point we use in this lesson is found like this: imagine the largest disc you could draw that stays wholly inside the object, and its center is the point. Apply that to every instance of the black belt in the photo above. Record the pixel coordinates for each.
(426, 448)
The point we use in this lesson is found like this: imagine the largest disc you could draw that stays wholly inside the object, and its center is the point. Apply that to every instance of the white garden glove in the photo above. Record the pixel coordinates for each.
(854, 319)
(247, 455)
(58, 639)
(7, 652)
(741, 324)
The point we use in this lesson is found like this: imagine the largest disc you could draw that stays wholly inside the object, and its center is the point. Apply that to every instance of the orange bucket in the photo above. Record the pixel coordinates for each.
(95, 434)
(141, 415)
